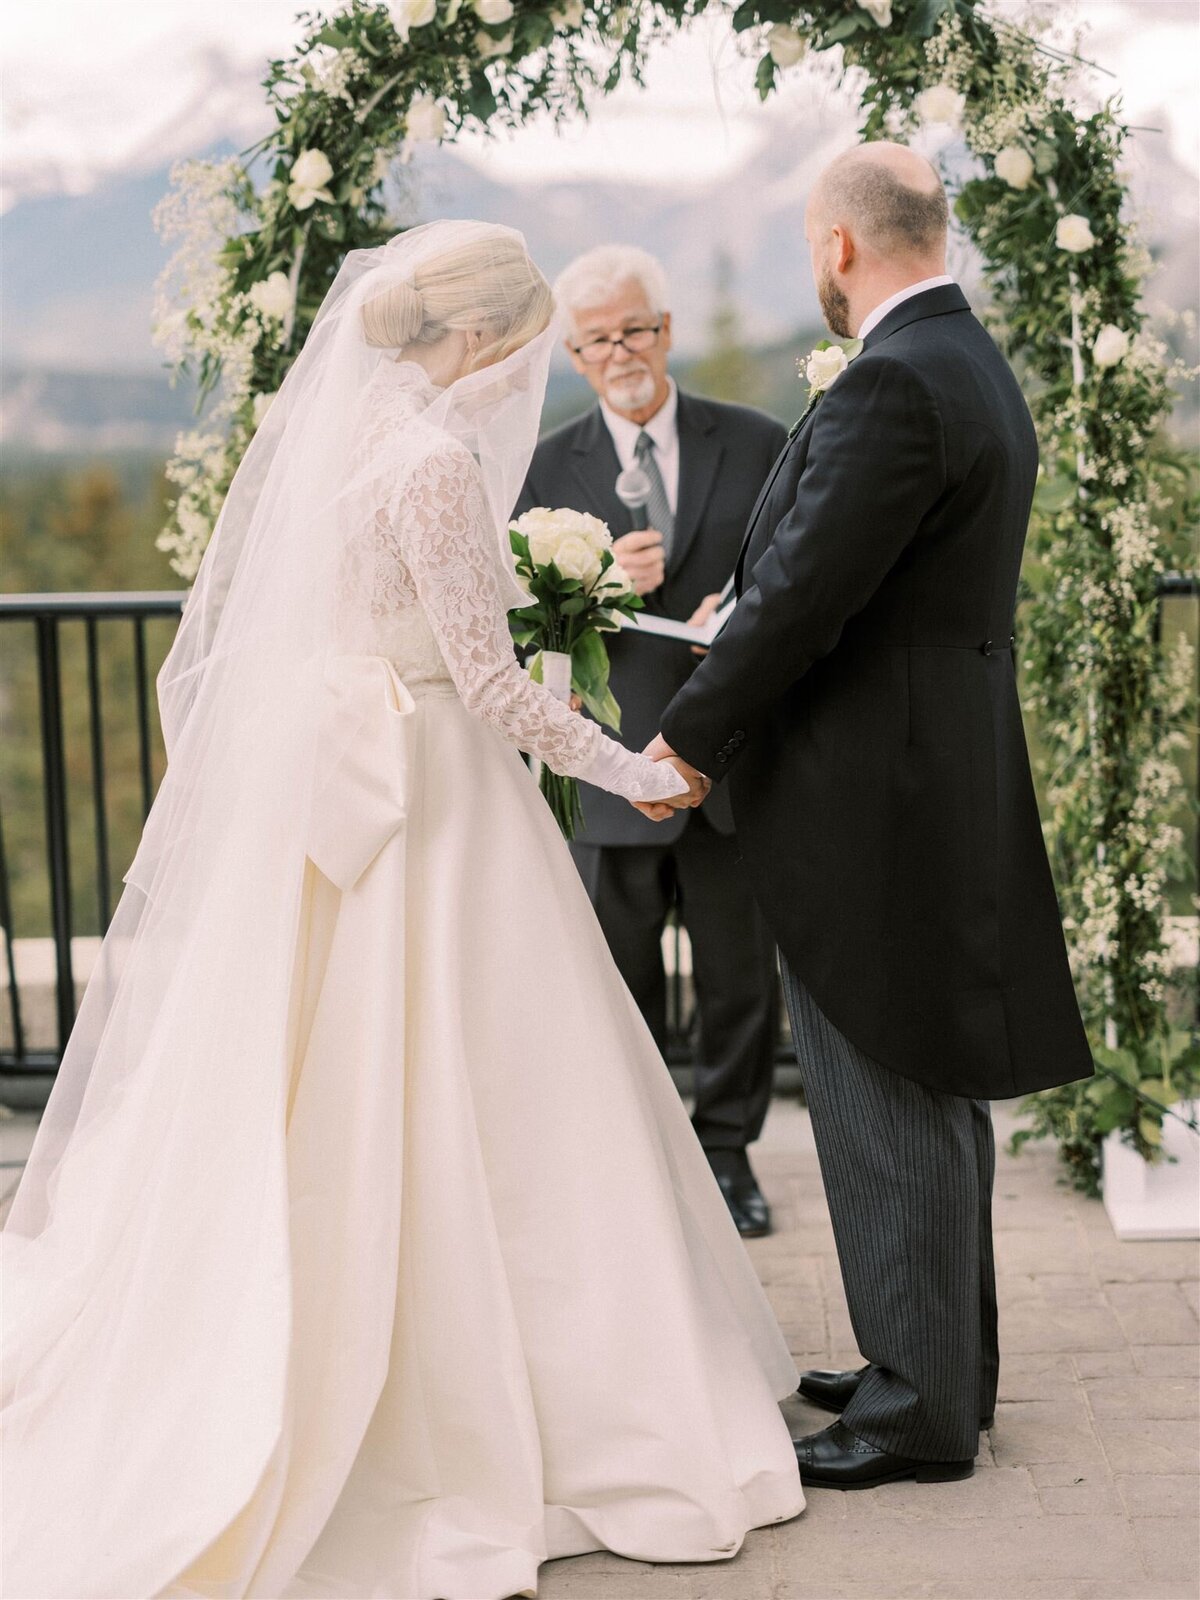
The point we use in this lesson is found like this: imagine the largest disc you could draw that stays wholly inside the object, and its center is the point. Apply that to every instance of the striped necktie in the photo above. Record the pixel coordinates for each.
(658, 507)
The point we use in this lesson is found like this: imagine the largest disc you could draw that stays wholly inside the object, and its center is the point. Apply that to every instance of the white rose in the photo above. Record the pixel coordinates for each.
(1074, 233)
(880, 11)
(593, 531)
(1015, 167)
(538, 520)
(1111, 346)
(410, 14)
(940, 103)
(544, 539)
(426, 120)
(823, 366)
(618, 579)
(575, 558)
(487, 47)
(273, 296)
(785, 45)
(568, 16)
(493, 12)
(311, 171)
(263, 404)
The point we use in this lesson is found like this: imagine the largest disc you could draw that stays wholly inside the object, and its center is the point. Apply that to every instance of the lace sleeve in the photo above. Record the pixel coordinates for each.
(446, 541)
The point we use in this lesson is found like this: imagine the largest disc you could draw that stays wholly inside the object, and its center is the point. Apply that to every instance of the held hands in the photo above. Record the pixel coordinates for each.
(700, 616)
(642, 557)
(698, 785)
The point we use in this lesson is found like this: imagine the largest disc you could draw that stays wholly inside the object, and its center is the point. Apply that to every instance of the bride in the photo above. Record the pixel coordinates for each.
(365, 1248)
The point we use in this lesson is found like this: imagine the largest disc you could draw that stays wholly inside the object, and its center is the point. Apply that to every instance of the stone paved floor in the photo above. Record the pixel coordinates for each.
(1087, 1486)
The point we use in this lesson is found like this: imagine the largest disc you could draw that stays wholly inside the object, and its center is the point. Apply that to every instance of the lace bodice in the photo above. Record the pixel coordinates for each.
(427, 559)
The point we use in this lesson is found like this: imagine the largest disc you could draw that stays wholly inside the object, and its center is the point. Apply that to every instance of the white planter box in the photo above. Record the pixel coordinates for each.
(1160, 1201)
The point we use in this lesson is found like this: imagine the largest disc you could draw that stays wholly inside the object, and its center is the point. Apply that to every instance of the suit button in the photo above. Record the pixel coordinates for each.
(722, 755)
(986, 648)
(1012, 639)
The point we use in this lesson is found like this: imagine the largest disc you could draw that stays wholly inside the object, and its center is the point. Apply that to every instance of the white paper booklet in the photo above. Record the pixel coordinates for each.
(669, 628)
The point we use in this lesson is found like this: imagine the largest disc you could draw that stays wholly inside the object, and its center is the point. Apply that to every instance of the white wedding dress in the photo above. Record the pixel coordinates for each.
(488, 1307)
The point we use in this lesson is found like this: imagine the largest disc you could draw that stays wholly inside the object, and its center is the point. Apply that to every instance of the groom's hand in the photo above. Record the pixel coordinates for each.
(698, 785)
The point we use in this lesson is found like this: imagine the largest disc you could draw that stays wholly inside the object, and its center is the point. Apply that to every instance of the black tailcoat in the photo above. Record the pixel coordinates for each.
(863, 699)
(725, 453)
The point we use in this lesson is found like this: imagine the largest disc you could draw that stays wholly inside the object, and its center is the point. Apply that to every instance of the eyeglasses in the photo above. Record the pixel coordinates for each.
(634, 340)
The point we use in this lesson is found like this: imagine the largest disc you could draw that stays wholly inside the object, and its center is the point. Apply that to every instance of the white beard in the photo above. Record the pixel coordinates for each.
(631, 391)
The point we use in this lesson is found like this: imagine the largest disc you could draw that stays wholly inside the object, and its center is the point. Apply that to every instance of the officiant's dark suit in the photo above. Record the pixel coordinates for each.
(863, 702)
(634, 868)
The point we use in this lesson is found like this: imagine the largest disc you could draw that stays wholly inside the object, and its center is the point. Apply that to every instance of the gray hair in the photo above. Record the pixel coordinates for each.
(593, 277)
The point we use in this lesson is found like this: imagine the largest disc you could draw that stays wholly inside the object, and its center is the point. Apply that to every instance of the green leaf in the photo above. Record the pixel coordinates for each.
(334, 37)
(1156, 1089)
(764, 78)
(481, 101)
(1045, 158)
(847, 28)
(746, 16)
(605, 709)
(1121, 1062)
(1150, 1130)
(925, 17)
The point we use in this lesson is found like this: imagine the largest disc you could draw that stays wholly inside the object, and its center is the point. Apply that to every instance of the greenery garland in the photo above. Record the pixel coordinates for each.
(260, 238)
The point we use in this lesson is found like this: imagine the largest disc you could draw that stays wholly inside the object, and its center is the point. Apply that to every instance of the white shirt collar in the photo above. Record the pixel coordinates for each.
(874, 318)
(661, 426)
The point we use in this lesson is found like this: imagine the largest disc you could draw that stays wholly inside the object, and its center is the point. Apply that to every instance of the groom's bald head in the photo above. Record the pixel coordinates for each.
(888, 198)
(876, 222)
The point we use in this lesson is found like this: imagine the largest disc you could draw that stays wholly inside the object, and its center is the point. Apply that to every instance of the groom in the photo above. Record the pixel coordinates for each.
(862, 699)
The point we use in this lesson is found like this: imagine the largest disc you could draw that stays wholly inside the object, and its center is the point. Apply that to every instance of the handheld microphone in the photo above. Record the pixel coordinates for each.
(633, 491)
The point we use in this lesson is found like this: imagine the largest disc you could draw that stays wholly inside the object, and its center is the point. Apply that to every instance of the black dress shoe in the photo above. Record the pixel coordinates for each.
(750, 1212)
(833, 1391)
(839, 1459)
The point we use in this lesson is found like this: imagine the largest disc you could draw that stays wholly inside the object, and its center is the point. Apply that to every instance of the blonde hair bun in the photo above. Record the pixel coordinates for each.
(394, 318)
(488, 287)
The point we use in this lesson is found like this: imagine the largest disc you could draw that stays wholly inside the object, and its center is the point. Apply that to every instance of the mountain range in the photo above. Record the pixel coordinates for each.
(79, 372)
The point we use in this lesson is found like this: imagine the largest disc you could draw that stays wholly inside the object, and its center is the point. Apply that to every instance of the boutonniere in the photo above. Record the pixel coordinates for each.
(823, 365)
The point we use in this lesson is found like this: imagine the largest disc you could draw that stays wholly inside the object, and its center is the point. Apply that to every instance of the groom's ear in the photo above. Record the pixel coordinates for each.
(845, 247)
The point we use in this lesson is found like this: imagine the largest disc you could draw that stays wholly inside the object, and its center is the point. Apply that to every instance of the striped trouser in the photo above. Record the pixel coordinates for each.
(908, 1175)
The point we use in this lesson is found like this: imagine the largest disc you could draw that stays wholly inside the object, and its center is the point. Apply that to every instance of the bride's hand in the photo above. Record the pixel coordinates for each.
(698, 787)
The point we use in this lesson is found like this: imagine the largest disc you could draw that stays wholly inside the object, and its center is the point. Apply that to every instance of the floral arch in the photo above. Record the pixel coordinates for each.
(261, 236)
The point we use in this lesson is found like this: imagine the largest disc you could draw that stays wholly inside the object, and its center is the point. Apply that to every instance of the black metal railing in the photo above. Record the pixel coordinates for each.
(49, 617)
(98, 615)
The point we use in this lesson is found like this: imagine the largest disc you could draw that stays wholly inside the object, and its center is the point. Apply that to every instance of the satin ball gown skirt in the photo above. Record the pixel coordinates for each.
(490, 1307)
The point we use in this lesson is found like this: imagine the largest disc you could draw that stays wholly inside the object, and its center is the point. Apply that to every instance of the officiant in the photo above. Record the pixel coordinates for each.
(703, 463)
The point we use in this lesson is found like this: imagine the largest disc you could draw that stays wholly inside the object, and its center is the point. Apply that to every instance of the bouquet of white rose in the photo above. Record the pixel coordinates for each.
(577, 591)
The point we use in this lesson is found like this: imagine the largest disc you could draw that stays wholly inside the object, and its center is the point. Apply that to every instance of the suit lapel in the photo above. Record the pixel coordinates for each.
(764, 493)
(594, 463)
(700, 453)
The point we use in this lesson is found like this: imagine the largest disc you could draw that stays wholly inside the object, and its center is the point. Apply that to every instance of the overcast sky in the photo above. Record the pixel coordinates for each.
(99, 86)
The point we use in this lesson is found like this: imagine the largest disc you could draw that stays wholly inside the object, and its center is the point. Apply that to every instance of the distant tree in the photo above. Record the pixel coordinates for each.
(69, 526)
(728, 369)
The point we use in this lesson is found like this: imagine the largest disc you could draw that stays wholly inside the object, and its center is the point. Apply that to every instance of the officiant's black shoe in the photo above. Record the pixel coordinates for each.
(750, 1212)
(833, 1391)
(839, 1459)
